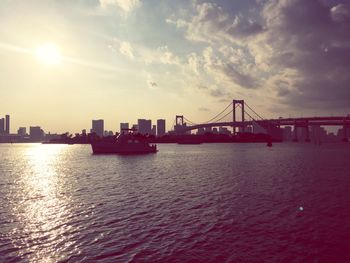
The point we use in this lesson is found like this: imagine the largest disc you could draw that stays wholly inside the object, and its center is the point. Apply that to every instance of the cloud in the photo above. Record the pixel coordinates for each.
(311, 40)
(126, 49)
(211, 23)
(125, 5)
(139, 53)
(296, 51)
(223, 68)
(203, 109)
(218, 93)
(166, 56)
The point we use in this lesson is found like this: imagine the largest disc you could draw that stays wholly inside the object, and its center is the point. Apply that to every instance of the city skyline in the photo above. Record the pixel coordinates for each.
(297, 133)
(65, 63)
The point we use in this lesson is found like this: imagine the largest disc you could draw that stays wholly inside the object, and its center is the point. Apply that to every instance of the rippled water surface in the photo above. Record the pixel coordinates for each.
(187, 203)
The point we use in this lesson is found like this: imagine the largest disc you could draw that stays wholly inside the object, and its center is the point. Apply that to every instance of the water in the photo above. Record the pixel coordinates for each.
(187, 203)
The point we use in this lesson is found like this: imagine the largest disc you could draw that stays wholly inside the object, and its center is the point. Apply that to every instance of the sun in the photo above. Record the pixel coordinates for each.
(48, 54)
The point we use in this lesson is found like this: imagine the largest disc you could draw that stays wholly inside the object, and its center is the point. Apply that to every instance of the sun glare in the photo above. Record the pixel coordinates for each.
(48, 54)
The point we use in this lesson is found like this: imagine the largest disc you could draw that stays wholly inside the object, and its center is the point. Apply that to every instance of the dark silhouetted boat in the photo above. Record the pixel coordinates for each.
(189, 141)
(125, 143)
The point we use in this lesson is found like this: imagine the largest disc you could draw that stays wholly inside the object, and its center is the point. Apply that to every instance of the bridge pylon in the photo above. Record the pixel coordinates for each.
(234, 103)
(179, 120)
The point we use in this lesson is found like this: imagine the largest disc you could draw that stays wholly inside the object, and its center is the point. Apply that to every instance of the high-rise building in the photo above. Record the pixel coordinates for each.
(36, 133)
(2, 126)
(145, 126)
(97, 127)
(123, 125)
(22, 131)
(7, 126)
(154, 130)
(160, 127)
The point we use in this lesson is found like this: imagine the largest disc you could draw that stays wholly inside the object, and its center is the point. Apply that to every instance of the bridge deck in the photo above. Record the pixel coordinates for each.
(303, 121)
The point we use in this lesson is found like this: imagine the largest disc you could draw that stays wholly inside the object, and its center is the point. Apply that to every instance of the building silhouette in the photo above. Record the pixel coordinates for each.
(123, 125)
(161, 127)
(97, 127)
(145, 126)
(154, 130)
(2, 126)
(7, 126)
(22, 131)
(36, 133)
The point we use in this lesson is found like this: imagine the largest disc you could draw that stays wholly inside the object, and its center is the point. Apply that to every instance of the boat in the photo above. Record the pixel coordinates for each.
(189, 141)
(128, 142)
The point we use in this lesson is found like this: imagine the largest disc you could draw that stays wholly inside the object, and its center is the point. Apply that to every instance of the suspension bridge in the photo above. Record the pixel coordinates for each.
(244, 118)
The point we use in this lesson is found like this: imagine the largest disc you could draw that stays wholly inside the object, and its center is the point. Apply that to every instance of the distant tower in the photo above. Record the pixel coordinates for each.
(2, 126)
(97, 127)
(123, 126)
(22, 131)
(36, 133)
(154, 130)
(241, 103)
(145, 126)
(160, 127)
(179, 120)
(7, 126)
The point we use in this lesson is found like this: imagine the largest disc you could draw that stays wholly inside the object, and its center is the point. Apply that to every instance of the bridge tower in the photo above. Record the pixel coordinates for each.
(179, 125)
(234, 103)
(179, 120)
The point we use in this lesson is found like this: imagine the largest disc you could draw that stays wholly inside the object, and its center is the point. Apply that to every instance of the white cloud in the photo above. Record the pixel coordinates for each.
(211, 24)
(125, 5)
(126, 49)
(166, 56)
(298, 53)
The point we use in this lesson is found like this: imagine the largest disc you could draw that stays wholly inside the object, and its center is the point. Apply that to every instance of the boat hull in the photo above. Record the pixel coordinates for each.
(114, 148)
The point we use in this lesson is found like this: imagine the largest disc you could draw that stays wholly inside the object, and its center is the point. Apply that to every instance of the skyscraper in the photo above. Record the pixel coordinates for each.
(97, 127)
(2, 126)
(160, 127)
(123, 125)
(22, 131)
(7, 126)
(36, 133)
(154, 130)
(145, 126)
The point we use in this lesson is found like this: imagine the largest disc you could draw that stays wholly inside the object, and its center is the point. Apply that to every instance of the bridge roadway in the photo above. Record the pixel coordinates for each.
(298, 122)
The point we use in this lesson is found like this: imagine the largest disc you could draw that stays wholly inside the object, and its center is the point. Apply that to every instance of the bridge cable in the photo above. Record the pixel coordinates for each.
(245, 104)
(193, 123)
(190, 122)
(224, 116)
(253, 119)
(218, 114)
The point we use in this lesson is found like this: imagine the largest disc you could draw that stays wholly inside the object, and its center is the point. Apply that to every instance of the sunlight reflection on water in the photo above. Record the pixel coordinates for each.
(42, 208)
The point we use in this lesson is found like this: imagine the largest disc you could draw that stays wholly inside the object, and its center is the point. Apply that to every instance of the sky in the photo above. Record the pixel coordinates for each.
(66, 62)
